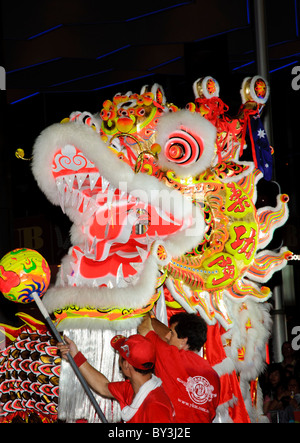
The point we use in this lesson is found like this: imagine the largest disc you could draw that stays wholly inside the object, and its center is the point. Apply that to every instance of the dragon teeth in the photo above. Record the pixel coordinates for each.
(120, 281)
(80, 179)
(94, 176)
(75, 196)
(110, 196)
(60, 184)
(70, 180)
(105, 184)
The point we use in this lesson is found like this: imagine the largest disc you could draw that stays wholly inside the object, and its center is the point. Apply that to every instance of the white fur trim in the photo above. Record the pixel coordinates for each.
(134, 296)
(225, 367)
(97, 324)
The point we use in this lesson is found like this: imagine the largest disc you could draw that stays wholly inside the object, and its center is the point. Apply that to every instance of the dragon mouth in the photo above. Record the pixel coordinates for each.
(118, 229)
(126, 225)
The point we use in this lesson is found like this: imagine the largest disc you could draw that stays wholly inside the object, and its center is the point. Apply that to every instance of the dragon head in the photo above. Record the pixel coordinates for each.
(105, 171)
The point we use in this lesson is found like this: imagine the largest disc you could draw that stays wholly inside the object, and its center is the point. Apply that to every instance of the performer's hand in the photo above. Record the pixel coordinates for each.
(68, 347)
(150, 323)
(146, 325)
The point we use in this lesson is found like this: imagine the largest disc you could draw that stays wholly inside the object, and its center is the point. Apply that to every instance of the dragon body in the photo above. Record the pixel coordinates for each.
(164, 217)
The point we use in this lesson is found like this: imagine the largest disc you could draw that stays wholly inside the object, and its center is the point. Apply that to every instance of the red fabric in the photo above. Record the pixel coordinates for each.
(215, 110)
(230, 388)
(248, 112)
(238, 411)
(189, 381)
(156, 408)
(214, 350)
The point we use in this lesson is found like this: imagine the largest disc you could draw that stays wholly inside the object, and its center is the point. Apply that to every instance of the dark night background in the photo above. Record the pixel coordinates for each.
(64, 56)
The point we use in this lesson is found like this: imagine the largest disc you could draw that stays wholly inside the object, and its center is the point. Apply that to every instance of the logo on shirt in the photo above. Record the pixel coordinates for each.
(199, 389)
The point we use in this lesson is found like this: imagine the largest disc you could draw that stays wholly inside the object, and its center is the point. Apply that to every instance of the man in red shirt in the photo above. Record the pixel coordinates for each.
(190, 382)
(141, 396)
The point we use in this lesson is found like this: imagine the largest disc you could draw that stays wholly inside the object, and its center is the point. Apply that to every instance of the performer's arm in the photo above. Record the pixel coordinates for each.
(94, 378)
(152, 324)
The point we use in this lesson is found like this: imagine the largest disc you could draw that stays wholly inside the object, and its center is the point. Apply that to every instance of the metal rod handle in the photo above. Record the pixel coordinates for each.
(58, 337)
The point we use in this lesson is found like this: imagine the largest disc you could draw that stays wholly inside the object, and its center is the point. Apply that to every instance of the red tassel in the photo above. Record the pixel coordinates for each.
(246, 124)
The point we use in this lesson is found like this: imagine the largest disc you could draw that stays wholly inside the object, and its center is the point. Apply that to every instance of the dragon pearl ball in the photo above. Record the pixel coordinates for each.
(22, 272)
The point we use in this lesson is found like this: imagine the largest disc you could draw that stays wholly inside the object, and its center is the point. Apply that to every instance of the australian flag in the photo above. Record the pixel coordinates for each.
(261, 148)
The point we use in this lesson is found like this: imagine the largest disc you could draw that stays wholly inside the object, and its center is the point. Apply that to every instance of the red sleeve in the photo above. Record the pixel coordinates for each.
(157, 341)
(166, 355)
(121, 392)
(162, 348)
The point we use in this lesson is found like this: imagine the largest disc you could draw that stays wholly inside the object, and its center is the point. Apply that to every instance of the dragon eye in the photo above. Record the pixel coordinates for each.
(175, 151)
(140, 112)
(183, 147)
(122, 112)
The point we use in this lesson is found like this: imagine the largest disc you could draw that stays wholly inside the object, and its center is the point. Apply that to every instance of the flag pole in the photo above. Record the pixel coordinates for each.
(261, 37)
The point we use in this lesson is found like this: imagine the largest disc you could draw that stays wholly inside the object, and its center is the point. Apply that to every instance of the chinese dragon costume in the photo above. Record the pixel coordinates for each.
(164, 216)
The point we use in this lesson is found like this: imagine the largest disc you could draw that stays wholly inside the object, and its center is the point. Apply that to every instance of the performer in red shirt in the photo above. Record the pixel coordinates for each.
(190, 382)
(141, 396)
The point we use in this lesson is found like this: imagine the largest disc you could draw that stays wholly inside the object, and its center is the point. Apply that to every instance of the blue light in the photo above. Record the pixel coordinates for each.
(122, 82)
(32, 66)
(165, 63)
(284, 66)
(296, 18)
(80, 78)
(44, 32)
(242, 66)
(113, 52)
(248, 12)
(296, 54)
(157, 11)
(24, 98)
(221, 33)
